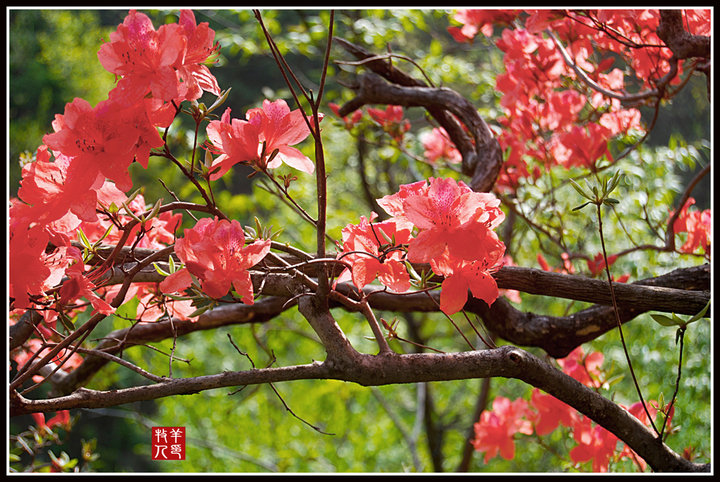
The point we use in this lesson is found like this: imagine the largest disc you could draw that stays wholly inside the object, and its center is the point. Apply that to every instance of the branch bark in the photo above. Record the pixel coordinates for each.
(373, 370)
(683, 44)
(481, 152)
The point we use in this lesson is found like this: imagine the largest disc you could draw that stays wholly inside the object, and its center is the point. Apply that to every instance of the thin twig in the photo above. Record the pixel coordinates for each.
(294, 415)
(677, 382)
(617, 318)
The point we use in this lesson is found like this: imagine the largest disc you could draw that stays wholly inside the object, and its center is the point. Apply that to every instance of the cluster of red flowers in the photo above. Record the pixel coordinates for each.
(93, 148)
(698, 226)
(77, 181)
(391, 119)
(454, 233)
(542, 116)
(375, 250)
(214, 251)
(263, 140)
(496, 429)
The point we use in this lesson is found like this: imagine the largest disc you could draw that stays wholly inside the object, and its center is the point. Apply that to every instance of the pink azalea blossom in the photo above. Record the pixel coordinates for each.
(495, 431)
(438, 146)
(594, 443)
(167, 63)
(215, 252)
(450, 216)
(372, 250)
(268, 129)
(551, 412)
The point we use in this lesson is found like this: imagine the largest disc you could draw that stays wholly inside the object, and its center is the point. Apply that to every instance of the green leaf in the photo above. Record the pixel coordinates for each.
(200, 311)
(178, 297)
(615, 181)
(664, 320)
(580, 190)
(155, 209)
(576, 208)
(130, 212)
(128, 310)
(83, 239)
(220, 100)
(160, 270)
(107, 231)
(699, 315)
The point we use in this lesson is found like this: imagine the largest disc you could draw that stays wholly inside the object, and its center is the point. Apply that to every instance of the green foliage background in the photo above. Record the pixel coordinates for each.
(53, 59)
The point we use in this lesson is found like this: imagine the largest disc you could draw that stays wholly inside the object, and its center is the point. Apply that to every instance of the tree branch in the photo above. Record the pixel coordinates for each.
(390, 368)
(482, 154)
(683, 44)
(141, 333)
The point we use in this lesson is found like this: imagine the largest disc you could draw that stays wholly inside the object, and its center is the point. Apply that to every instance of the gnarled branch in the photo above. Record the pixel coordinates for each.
(372, 370)
(481, 151)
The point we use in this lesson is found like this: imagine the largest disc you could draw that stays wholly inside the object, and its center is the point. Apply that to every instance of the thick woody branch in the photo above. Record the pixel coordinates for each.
(683, 44)
(559, 335)
(141, 333)
(682, 291)
(23, 329)
(372, 370)
(687, 293)
(481, 152)
(337, 346)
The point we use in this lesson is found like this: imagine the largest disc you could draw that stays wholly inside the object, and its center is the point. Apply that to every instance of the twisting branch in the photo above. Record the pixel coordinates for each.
(141, 333)
(481, 152)
(683, 44)
(374, 370)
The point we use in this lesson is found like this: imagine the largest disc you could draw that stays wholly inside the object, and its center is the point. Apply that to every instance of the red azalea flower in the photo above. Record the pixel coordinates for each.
(78, 286)
(391, 120)
(102, 140)
(61, 418)
(495, 430)
(350, 120)
(32, 269)
(144, 58)
(637, 410)
(698, 225)
(551, 412)
(450, 216)
(52, 189)
(584, 369)
(383, 259)
(438, 145)
(273, 127)
(582, 146)
(195, 76)
(475, 276)
(597, 265)
(394, 204)
(567, 266)
(594, 443)
(476, 20)
(214, 251)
